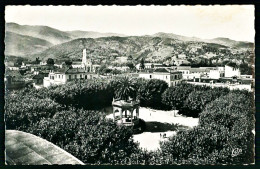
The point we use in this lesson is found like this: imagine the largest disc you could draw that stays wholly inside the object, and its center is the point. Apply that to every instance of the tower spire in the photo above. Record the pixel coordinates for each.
(84, 57)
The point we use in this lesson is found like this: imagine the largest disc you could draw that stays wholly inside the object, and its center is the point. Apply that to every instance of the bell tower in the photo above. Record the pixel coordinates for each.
(86, 62)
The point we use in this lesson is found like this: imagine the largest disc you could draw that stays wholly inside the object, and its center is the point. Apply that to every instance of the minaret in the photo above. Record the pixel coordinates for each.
(86, 62)
(84, 59)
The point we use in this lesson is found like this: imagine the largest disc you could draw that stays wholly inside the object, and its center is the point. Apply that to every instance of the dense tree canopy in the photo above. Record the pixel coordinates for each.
(64, 115)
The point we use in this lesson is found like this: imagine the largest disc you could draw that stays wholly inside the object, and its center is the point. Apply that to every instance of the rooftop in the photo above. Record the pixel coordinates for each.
(27, 149)
(70, 70)
(38, 76)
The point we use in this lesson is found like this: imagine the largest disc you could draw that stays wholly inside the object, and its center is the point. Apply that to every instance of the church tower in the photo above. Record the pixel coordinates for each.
(86, 62)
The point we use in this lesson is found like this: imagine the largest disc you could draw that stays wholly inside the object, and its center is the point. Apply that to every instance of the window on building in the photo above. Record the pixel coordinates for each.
(59, 76)
(75, 76)
(166, 77)
(150, 76)
(69, 76)
(80, 76)
(175, 77)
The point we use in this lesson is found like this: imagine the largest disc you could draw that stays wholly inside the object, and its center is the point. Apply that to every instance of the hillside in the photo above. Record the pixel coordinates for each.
(153, 49)
(52, 35)
(19, 45)
(232, 43)
(222, 41)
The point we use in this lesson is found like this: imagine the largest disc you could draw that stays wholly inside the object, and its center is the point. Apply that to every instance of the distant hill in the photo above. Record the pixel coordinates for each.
(222, 41)
(52, 35)
(174, 36)
(153, 49)
(19, 45)
(91, 34)
(232, 43)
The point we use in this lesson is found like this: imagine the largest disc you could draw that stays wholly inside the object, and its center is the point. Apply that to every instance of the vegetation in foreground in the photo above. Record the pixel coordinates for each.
(64, 116)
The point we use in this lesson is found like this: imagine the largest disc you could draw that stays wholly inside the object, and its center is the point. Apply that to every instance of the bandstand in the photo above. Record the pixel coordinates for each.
(126, 112)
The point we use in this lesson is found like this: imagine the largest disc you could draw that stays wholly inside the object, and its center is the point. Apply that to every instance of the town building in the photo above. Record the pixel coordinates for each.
(64, 75)
(216, 73)
(172, 77)
(231, 71)
(149, 66)
(59, 63)
(39, 76)
(76, 64)
(14, 80)
(179, 62)
(83, 70)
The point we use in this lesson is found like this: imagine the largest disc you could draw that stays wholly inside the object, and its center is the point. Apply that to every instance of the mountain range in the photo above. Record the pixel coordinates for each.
(46, 42)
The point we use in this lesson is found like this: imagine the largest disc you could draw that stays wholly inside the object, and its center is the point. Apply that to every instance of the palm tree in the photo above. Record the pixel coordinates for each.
(125, 88)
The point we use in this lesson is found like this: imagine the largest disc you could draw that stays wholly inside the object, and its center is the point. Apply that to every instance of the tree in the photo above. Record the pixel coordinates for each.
(19, 61)
(245, 69)
(150, 93)
(37, 60)
(130, 65)
(125, 88)
(102, 68)
(68, 63)
(50, 61)
(115, 72)
(142, 66)
(130, 58)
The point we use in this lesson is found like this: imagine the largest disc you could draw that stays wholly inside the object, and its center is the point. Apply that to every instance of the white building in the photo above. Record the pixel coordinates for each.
(149, 65)
(216, 73)
(76, 65)
(207, 72)
(170, 76)
(62, 76)
(231, 71)
(179, 62)
(78, 70)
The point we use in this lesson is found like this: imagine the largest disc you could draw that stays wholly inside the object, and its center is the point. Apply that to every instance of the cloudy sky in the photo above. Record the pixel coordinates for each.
(233, 21)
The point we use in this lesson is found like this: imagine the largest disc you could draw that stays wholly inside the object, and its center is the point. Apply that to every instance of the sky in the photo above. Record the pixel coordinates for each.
(231, 21)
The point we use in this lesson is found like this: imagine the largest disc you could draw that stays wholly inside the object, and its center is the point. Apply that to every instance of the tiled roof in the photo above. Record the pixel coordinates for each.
(27, 149)
(76, 63)
(38, 76)
(14, 73)
(70, 70)
(161, 70)
(192, 70)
